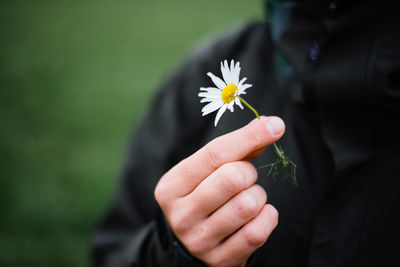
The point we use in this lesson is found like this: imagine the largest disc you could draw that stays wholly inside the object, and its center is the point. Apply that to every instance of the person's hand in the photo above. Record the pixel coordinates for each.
(211, 201)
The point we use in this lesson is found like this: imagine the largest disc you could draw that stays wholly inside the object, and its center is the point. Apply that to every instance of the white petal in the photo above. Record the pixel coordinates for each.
(222, 68)
(232, 65)
(226, 74)
(211, 107)
(217, 81)
(242, 88)
(210, 89)
(235, 73)
(242, 81)
(230, 106)
(219, 114)
(237, 65)
(207, 99)
(237, 102)
(205, 94)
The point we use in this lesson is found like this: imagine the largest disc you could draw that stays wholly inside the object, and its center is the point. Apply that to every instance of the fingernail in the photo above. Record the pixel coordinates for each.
(275, 126)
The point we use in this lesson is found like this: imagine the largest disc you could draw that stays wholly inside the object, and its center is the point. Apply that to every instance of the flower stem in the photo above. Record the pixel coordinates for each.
(278, 151)
(250, 107)
(283, 161)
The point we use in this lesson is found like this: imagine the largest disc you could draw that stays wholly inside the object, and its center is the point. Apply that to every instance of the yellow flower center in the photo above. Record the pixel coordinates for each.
(228, 94)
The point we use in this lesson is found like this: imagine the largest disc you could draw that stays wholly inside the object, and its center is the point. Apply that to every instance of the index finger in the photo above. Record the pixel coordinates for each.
(233, 146)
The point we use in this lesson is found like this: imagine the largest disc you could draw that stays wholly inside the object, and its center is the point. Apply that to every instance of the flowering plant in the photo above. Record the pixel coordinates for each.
(225, 95)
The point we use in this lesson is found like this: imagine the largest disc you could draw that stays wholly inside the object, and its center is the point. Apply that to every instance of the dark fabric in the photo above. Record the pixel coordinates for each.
(331, 71)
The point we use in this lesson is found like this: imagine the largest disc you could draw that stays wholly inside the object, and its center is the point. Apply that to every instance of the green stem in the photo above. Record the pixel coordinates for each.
(278, 151)
(283, 161)
(250, 107)
(265, 166)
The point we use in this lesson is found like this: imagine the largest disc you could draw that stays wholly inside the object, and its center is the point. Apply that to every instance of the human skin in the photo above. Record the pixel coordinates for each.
(211, 201)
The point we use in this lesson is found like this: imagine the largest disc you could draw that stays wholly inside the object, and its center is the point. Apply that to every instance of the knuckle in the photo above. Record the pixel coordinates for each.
(260, 193)
(254, 238)
(195, 244)
(216, 155)
(230, 179)
(236, 176)
(162, 191)
(246, 207)
(160, 194)
(178, 222)
(248, 169)
(274, 218)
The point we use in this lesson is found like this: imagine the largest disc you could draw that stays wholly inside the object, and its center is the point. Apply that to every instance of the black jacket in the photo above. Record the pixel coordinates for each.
(332, 72)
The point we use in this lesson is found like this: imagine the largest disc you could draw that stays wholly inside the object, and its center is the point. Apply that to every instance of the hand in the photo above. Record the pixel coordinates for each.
(211, 201)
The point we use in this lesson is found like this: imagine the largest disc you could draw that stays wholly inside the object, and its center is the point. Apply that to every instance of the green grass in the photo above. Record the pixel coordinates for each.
(75, 79)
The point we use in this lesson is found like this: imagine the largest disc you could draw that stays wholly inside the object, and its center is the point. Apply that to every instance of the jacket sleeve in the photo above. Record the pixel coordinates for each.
(134, 232)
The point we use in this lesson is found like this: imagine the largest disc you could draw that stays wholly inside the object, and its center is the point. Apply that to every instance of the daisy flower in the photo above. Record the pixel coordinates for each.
(227, 91)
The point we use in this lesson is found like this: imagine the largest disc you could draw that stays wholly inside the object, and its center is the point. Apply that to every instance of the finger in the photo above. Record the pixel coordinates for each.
(233, 146)
(242, 244)
(228, 180)
(254, 154)
(235, 213)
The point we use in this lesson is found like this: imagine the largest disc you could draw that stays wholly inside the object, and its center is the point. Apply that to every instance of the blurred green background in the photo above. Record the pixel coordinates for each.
(75, 79)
